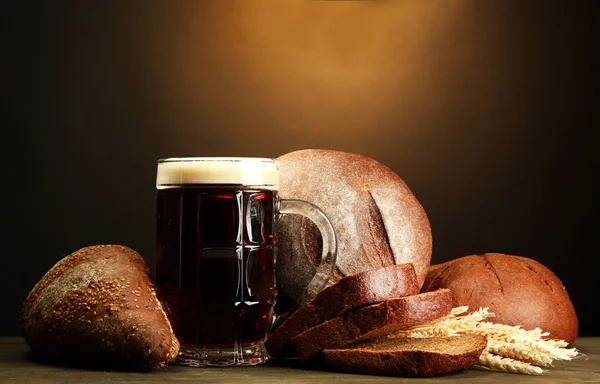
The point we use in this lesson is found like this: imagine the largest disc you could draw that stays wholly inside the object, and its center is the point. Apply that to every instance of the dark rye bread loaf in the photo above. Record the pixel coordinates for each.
(408, 356)
(377, 219)
(352, 291)
(519, 290)
(97, 307)
(373, 321)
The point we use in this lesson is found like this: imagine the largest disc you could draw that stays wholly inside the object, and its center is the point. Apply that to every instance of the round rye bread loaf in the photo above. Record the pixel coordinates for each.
(97, 307)
(377, 219)
(519, 290)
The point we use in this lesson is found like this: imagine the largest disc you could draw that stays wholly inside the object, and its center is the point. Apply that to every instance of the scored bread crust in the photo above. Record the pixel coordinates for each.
(350, 292)
(518, 290)
(97, 306)
(372, 321)
(408, 356)
(377, 219)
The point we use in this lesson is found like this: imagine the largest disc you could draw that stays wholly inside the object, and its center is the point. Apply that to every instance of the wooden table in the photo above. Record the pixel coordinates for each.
(16, 367)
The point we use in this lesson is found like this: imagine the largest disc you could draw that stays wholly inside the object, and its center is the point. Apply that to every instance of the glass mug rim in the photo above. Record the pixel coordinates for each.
(215, 159)
(259, 172)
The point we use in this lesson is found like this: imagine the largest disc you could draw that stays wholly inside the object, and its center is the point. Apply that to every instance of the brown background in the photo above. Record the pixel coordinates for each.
(482, 107)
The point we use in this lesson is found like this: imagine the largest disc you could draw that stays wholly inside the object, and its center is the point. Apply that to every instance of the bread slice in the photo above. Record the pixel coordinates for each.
(350, 292)
(373, 321)
(408, 356)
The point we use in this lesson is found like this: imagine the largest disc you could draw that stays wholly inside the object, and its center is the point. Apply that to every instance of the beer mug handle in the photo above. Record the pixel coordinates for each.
(328, 257)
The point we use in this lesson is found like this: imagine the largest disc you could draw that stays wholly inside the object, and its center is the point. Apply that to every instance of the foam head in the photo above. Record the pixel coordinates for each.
(245, 171)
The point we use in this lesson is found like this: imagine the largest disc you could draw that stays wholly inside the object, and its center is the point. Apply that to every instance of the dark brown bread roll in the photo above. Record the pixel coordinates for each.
(377, 219)
(519, 290)
(431, 356)
(353, 291)
(373, 321)
(97, 307)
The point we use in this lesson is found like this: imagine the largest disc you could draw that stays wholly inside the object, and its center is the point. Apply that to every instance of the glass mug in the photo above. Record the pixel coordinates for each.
(216, 252)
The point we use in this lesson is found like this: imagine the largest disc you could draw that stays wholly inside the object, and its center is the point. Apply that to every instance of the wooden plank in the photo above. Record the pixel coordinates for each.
(16, 367)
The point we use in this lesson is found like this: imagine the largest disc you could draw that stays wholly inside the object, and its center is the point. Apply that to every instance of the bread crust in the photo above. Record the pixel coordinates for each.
(372, 321)
(422, 357)
(350, 292)
(98, 307)
(378, 220)
(519, 290)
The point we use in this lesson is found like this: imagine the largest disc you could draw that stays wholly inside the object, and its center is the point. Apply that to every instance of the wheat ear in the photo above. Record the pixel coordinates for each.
(530, 340)
(490, 362)
(518, 352)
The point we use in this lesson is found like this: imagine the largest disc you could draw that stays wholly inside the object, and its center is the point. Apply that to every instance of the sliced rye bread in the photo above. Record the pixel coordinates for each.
(372, 321)
(408, 356)
(360, 289)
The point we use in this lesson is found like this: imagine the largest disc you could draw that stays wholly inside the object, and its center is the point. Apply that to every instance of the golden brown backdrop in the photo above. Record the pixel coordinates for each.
(482, 107)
